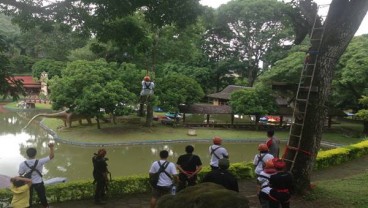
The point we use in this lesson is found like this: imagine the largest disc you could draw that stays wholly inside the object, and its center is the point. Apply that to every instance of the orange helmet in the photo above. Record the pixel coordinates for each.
(147, 78)
(269, 164)
(217, 140)
(278, 163)
(262, 147)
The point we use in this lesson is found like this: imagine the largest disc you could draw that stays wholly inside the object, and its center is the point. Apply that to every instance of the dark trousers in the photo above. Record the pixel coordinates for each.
(100, 190)
(279, 199)
(41, 193)
(184, 181)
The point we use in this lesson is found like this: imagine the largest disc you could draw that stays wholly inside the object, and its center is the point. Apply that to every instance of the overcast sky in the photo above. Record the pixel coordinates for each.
(362, 30)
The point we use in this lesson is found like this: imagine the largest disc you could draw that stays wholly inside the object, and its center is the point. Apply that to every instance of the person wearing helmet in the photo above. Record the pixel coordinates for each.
(261, 158)
(222, 176)
(217, 152)
(100, 172)
(263, 183)
(273, 143)
(281, 185)
(147, 86)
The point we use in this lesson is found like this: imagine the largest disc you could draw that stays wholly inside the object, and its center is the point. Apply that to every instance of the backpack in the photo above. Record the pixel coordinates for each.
(153, 179)
(33, 168)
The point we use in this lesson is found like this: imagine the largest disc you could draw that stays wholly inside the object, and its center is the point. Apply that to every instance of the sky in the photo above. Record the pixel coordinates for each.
(363, 29)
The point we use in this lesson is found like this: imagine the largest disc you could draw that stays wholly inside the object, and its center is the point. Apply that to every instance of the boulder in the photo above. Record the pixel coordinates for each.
(204, 195)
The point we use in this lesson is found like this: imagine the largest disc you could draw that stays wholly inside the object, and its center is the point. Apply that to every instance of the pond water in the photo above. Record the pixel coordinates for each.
(74, 162)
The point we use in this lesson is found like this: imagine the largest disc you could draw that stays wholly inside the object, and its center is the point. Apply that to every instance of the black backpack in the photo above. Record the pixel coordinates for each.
(153, 179)
(33, 168)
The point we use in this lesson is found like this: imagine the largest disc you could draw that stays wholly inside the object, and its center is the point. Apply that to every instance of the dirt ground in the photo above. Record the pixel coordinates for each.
(247, 188)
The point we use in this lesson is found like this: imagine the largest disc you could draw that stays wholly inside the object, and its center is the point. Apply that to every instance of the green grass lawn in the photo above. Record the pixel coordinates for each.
(39, 106)
(347, 192)
(128, 132)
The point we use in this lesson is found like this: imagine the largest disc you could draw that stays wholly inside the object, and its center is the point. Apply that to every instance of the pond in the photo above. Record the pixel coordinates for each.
(74, 162)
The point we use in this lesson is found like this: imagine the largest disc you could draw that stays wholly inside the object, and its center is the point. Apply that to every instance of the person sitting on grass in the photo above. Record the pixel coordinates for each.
(20, 187)
(222, 176)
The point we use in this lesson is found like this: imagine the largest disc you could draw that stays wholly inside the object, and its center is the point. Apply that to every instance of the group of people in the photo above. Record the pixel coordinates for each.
(30, 180)
(274, 182)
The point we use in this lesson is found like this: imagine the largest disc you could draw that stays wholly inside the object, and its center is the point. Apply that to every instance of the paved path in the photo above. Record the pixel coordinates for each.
(247, 188)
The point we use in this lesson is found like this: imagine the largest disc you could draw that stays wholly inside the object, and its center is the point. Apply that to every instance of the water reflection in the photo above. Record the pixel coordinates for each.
(74, 162)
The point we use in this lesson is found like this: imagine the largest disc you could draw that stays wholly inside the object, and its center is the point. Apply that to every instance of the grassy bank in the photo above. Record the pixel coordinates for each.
(38, 106)
(128, 132)
(347, 192)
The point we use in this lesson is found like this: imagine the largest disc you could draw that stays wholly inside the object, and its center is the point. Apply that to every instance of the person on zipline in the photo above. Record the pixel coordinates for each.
(147, 86)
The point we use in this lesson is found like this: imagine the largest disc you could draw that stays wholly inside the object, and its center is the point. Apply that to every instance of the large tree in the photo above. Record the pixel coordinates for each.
(351, 77)
(9, 86)
(249, 30)
(343, 20)
(87, 87)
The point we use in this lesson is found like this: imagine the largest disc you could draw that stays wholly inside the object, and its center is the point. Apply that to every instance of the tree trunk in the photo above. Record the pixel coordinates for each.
(342, 22)
(365, 127)
(98, 123)
(149, 116)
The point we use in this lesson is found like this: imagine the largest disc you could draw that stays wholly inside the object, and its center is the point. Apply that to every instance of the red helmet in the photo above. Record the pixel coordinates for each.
(147, 78)
(217, 140)
(278, 163)
(263, 147)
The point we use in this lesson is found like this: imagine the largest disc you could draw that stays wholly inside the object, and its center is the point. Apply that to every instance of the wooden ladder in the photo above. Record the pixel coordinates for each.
(305, 87)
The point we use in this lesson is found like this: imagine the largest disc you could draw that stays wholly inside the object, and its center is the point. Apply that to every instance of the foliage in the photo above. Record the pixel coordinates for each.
(250, 33)
(21, 64)
(86, 87)
(351, 77)
(200, 74)
(118, 187)
(176, 89)
(253, 101)
(52, 67)
(9, 86)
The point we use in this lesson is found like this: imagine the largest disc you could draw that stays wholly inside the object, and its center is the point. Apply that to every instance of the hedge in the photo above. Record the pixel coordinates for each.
(122, 186)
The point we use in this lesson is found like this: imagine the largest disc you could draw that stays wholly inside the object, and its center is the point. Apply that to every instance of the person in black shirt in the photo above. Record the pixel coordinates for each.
(189, 166)
(222, 176)
(281, 183)
(100, 172)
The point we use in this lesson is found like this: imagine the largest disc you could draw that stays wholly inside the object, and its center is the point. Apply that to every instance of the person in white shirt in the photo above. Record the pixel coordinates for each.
(166, 179)
(217, 152)
(263, 181)
(261, 158)
(147, 86)
(36, 167)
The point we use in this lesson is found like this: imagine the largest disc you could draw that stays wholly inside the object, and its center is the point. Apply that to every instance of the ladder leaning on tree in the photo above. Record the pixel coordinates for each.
(305, 88)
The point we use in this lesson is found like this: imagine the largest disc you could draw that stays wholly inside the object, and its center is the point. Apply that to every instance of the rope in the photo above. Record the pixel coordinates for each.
(296, 149)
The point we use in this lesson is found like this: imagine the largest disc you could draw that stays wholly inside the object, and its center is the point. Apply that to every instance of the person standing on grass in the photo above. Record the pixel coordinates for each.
(273, 143)
(263, 184)
(36, 167)
(20, 187)
(217, 152)
(100, 172)
(167, 177)
(189, 166)
(261, 158)
(281, 185)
